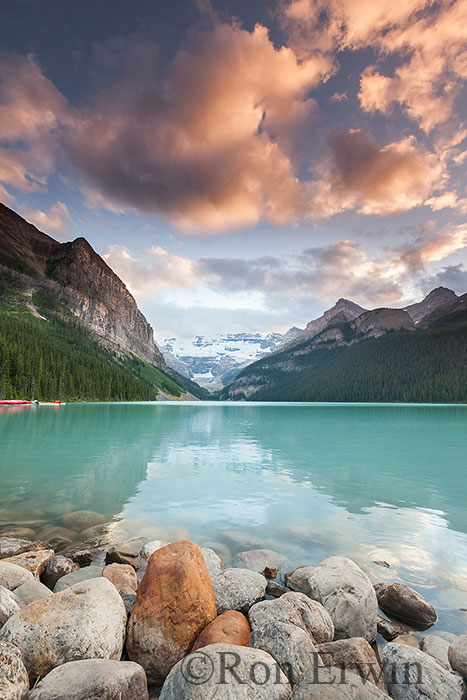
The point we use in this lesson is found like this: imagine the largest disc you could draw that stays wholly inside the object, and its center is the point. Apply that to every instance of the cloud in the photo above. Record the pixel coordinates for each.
(452, 276)
(55, 222)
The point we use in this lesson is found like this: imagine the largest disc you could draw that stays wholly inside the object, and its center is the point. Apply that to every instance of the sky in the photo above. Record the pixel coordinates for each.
(242, 164)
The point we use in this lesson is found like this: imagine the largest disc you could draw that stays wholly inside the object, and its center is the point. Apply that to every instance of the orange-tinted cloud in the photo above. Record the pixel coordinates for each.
(55, 222)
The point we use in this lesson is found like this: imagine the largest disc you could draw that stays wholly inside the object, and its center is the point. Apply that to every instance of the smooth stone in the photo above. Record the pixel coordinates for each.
(126, 552)
(174, 603)
(12, 575)
(151, 547)
(239, 541)
(82, 555)
(438, 648)
(412, 674)
(258, 559)
(204, 675)
(101, 679)
(85, 574)
(14, 680)
(238, 589)
(275, 589)
(222, 551)
(457, 655)
(9, 604)
(294, 609)
(213, 562)
(122, 576)
(35, 562)
(56, 568)
(82, 519)
(232, 627)
(402, 602)
(345, 591)
(289, 645)
(31, 591)
(354, 655)
(331, 683)
(11, 546)
(387, 629)
(85, 621)
(20, 532)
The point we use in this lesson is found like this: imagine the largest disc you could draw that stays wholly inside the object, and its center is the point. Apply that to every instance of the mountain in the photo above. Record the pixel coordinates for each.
(342, 311)
(435, 299)
(380, 355)
(50, 286)
(214, 360)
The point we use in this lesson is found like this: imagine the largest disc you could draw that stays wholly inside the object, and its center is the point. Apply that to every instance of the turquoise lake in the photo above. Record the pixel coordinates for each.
(373, 482)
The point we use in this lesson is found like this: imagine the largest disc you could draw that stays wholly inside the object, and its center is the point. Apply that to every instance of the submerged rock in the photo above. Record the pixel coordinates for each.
(226, 671)
(239, 541)
(402, 602)
(174, 603)
(9, 605)
(355, 655)
(258, 559)
(238, 589)
(56, 568)
(82, 520)
(457, 655)
(35, 562)
(232, 627)
(12, 575)
(93, 678)
(14, 680)
(85, 621)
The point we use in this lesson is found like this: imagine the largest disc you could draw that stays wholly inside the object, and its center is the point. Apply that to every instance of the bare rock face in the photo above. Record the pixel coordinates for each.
(402, 602)
(85, 621)
(57, 567)
(35, 562)
(174, 603)
(122, 576)
(354, 655)
(14, 680)
(229, 628)
(294, 609)
(9, 605)
(226, 671)
(93, 678)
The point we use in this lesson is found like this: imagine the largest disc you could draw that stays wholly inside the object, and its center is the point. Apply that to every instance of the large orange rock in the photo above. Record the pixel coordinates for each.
(35, 562)
(174, 603)
(232, 627)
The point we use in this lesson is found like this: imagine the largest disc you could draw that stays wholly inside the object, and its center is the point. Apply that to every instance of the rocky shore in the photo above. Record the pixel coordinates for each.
(172, 620)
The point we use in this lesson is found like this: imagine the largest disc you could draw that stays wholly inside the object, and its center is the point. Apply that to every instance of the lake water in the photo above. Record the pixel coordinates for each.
(374, 482)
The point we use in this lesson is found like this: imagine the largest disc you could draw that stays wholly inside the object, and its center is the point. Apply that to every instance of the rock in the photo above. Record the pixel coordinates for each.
(151, 547)
(409, 639)
(56, 568)
(270, 572)
(258, 559)
(232, 627)
(96, 535)
(294, 609)
(85, 574)
(387, 629)
(12, 575)
(222, 551)
(413, 675)
(354, 655)
(31, 591)
(457, 655)
(93, 678)
(9, 605)
(26, 532)
(129, 600)
(402, 602)
(58, 537)
(438, 648)
(126, 553)
(174, 603)
(330, 683)
(85, 621)
(289, 645)
(14, 680)
(122, 576)
(11, 546)
(346, 593)
(275, 589)
(213, 562)
(239, 541)
(35, 562)
(82, 519)
(254, 675)
(83, 556)
(238, 589)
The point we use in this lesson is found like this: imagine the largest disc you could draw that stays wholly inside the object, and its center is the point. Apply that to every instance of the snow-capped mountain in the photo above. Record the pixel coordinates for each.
(213, 360)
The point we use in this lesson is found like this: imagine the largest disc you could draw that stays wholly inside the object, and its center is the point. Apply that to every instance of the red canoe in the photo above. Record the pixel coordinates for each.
(14, 403)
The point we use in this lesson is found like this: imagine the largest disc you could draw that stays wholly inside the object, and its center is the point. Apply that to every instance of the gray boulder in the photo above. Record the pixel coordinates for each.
(346, 593)
(238, 589)
(402, 602)
(289, 645)
(14, 680)
(12, 575)
(85, 574)
(93, 678)
(330, 683)
(258, 559)
(457, 655)
(85, 621)
(150, 547)
(412, 674)
(294, 609)
(229, 672)
(56, 568)
(213, 562)
(438, 648)
(31, 591)
(9, 605)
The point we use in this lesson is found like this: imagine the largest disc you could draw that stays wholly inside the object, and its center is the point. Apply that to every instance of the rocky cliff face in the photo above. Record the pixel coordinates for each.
(342, 311)
(439, 297)
(81, 278)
